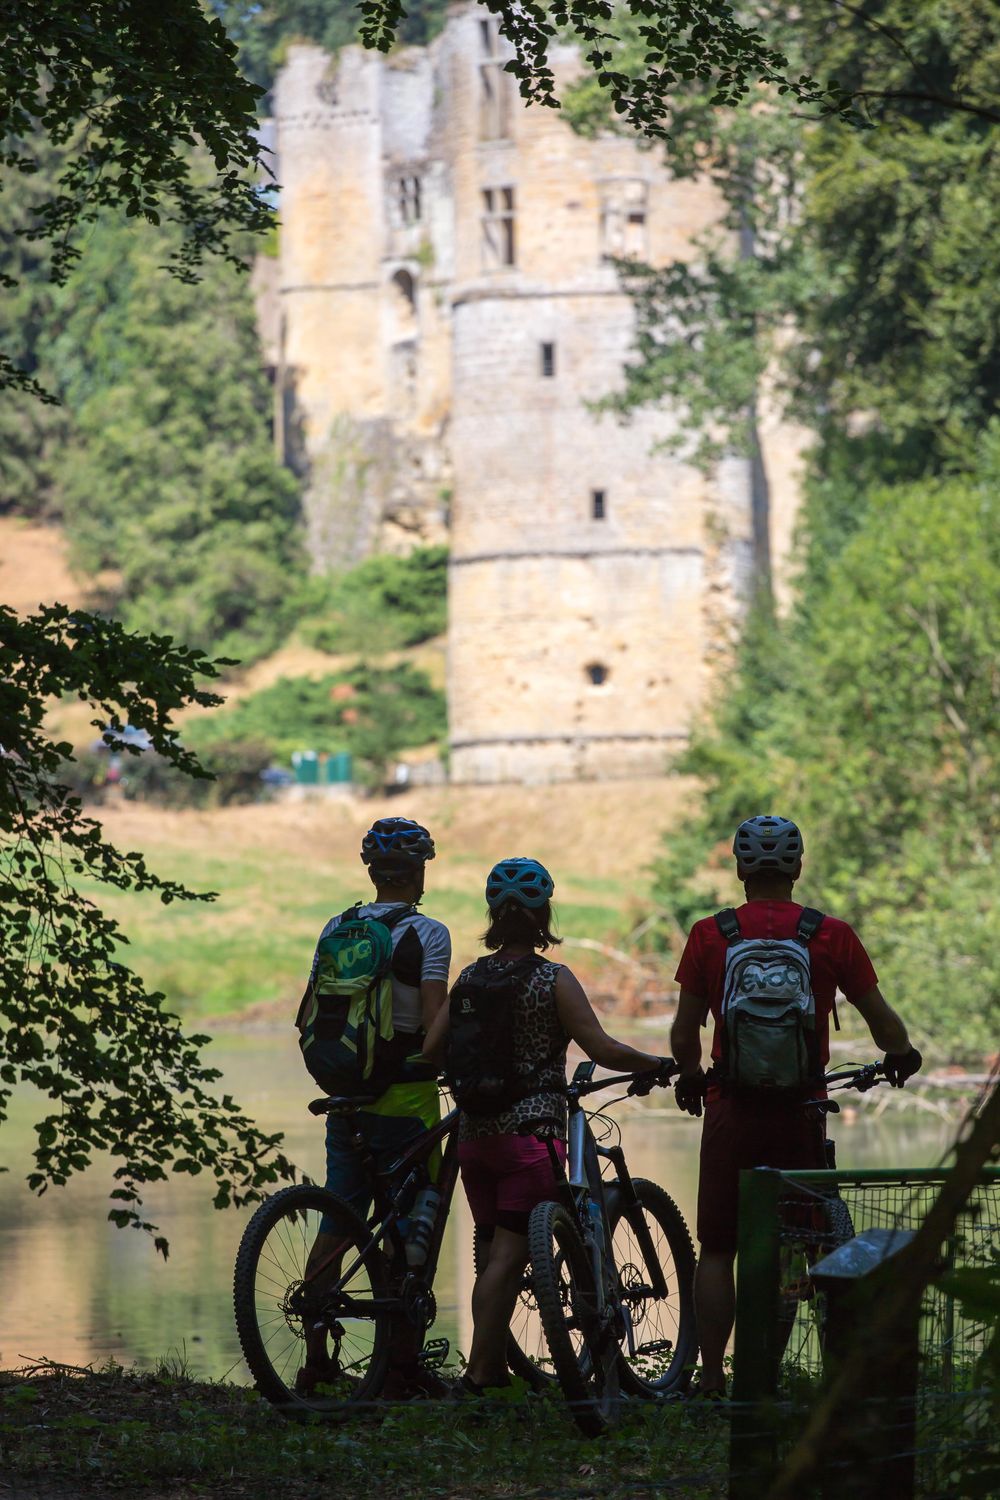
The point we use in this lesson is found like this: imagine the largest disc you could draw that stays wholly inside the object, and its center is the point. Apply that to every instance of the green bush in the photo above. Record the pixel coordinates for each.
(383, 604)
(372, 712)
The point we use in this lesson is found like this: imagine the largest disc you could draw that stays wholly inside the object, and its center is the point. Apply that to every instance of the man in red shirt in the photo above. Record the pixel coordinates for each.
(762, 1126)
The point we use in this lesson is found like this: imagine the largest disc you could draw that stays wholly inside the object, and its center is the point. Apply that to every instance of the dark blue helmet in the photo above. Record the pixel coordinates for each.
(395, 843)
(521, 880)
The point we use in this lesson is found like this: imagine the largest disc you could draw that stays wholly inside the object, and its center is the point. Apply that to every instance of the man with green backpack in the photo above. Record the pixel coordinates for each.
(379, 977)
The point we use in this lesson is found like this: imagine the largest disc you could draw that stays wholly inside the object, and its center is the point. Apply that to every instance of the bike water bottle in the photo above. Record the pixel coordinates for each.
(422, 1217)
(596, 1220)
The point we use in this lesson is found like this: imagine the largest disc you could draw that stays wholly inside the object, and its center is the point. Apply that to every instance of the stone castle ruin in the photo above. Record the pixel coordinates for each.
(448, 308)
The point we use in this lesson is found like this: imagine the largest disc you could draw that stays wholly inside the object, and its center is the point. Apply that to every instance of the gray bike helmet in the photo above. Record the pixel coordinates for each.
(522, 880)
(768, 843)
(396, 844)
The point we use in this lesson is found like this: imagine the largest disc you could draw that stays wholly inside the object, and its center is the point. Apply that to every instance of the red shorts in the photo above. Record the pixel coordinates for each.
(504, 1176)
(739, 1134)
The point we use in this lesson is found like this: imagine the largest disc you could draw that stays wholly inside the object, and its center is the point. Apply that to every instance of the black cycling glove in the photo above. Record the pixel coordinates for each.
(899, 1066)
(656, 1077)
(690, 1093)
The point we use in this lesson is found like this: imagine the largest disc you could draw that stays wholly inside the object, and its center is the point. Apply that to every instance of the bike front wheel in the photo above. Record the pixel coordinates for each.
(312, 1307)
(582, 1344)
(654, 1262)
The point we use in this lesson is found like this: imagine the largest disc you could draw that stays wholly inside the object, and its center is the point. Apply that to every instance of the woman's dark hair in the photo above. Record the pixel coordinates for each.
(520, 927)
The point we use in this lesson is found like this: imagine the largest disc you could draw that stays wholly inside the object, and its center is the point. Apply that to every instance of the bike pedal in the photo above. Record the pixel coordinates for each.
(656, 1346)
(434, 1353)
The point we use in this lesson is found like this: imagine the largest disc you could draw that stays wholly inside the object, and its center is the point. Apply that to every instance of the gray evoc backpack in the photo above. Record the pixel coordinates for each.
(769, 1038)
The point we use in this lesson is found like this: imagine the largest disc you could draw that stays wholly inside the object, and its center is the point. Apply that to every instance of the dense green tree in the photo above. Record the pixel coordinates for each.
(31, 429)
(125, 90)
(76, 1022)
(171, 479)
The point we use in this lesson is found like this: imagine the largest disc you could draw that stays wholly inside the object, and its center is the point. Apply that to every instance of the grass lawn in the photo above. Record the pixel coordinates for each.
(117, 1432)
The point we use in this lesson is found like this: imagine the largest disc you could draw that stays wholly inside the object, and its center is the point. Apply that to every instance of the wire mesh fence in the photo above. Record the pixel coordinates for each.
(938, 1420)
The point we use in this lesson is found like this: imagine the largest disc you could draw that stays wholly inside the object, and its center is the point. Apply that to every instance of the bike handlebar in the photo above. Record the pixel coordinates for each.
(863, 1078)
(638, 1083)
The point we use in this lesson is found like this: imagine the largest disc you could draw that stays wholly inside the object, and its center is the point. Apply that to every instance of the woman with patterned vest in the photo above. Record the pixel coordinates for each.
(506, 1168)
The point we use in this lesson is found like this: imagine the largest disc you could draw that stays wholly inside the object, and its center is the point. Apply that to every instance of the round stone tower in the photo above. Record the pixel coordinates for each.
(582, 559)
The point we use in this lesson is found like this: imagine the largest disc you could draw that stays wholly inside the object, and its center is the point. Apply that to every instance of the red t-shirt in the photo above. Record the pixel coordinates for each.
(837, 957)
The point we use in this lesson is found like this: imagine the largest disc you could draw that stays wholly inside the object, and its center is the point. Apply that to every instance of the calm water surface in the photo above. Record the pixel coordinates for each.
(77, 1290)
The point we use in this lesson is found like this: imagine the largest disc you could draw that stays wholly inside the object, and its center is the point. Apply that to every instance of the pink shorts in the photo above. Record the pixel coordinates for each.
(504, 1176)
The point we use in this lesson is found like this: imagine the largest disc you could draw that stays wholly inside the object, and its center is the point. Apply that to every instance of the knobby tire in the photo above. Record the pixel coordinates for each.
(656, 1321)
(584, 1356)
(273, 1301)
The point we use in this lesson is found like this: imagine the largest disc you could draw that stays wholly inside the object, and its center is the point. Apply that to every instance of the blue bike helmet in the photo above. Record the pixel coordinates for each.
(394, 843)
(522, 880)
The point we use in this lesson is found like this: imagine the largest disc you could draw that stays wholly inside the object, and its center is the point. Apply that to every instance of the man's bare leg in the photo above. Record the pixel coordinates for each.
(322, 1269)
(715, 1310)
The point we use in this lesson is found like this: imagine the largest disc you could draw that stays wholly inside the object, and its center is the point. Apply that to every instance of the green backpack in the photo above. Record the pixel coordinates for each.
(346, 1030)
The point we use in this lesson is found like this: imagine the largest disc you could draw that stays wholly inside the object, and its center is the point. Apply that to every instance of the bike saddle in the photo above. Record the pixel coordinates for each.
(339, 1104)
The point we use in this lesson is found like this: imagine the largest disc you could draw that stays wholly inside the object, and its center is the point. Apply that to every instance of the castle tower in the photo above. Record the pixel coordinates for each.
(581, 573)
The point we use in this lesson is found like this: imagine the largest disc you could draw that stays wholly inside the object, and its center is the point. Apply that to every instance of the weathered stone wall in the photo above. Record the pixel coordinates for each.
(449, 309)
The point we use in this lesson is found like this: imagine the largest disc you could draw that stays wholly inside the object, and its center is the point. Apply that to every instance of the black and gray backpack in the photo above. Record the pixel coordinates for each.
(480, 1068)
(769, 1038)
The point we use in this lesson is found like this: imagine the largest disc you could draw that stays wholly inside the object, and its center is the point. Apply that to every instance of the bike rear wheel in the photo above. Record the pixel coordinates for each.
(527, 1351)
(281, 1288)
(583, 1346)
(664, 1340)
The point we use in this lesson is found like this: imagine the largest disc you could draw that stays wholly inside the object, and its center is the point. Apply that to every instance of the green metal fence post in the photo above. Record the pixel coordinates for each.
(753, 1439)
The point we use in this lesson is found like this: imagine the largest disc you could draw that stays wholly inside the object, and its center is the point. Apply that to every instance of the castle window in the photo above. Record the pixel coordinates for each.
(597, 506)
(597, 673)
(403, 307)
(408, 204)
(494, 86)
(548, 360)
(624, 214)
(406, 287)
(498, 228)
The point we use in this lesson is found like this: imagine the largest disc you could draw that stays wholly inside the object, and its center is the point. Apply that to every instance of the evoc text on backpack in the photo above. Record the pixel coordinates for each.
(345, 1021)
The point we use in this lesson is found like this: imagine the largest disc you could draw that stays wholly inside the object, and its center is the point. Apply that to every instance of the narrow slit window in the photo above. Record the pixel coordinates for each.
(548, 360)
(598, 509)
(495, 85)
(499, 240)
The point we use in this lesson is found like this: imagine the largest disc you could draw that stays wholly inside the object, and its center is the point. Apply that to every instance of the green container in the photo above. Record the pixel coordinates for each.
(338, 768)
(305, 764)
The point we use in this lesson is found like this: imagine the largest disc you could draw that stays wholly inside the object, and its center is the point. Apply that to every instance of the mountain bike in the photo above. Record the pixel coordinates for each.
(368, 1283)
(611, 1271)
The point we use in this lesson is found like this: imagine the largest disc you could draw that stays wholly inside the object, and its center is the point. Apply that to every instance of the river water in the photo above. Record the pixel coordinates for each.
(79, 1291)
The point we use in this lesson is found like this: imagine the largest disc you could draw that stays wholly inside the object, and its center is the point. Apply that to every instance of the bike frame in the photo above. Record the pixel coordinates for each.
(393, 1187)
(581, 1182)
